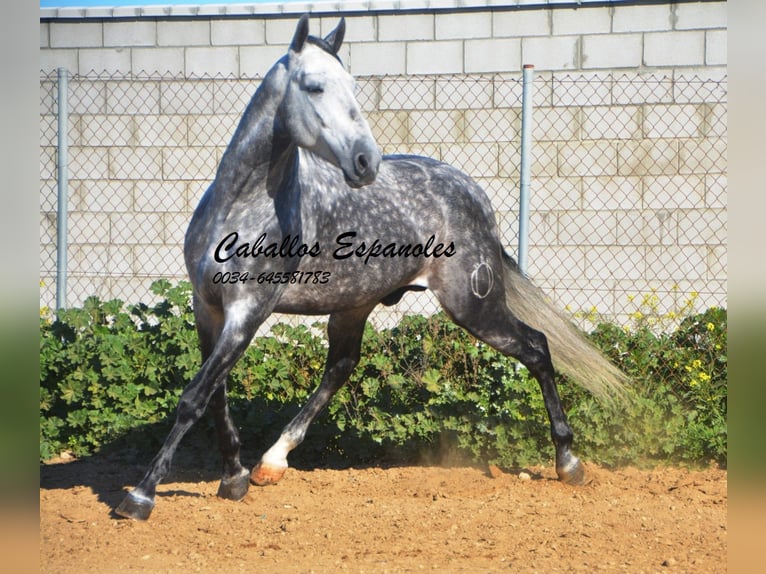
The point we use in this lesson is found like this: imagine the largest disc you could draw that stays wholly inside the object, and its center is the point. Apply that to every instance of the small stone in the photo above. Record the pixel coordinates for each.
(525, 476)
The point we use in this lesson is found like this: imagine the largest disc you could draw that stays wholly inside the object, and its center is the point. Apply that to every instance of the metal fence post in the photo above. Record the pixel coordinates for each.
(526, 145)
(63, 184)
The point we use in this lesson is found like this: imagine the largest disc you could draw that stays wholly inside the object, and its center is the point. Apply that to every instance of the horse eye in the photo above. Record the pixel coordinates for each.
(314, 88)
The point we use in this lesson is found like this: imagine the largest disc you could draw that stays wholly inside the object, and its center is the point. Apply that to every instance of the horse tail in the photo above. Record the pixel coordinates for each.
(572, 354)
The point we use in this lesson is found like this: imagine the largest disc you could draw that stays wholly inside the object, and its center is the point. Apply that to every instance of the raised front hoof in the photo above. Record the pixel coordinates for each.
(265, 474)
(235, 487)
(135, 507)
(573, 473)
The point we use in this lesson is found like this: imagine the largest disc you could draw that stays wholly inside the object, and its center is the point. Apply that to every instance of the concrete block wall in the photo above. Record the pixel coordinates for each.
(629, 171)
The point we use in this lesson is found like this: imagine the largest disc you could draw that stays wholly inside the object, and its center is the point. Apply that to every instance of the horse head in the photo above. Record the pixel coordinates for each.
(319, 109)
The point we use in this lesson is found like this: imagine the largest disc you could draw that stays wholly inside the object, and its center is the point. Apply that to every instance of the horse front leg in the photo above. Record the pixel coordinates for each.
(344, 332)
(235, 337)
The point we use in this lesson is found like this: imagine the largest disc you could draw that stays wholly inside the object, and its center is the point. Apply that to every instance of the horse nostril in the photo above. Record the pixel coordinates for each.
(362, 164)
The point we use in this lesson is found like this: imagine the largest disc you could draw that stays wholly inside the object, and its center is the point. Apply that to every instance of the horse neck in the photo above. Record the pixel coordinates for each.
(259, 154)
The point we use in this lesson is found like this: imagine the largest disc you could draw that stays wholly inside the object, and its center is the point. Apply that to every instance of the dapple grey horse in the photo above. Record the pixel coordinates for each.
(305, 216)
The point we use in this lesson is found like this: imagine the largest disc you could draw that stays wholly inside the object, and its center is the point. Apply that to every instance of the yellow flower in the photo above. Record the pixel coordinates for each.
(710, 327)
(704, 377)
(694, 383)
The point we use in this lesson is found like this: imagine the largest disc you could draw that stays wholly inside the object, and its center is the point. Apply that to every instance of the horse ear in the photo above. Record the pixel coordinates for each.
(301, 33)
(335, 38)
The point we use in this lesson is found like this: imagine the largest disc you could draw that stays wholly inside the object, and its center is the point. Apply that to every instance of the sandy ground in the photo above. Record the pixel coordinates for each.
(387, 519)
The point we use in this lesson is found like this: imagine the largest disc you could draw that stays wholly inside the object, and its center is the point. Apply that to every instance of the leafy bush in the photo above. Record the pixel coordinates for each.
(423, 388)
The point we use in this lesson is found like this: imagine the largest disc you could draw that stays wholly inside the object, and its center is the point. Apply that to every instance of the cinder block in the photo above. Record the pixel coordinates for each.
(563, 262)
(255, 61)
(135, 163)
(280, 31)
(387, 58)
(701, 15)
(435, 57)
(551, 53)
(555, 124)
(673, 192)
(492, 55)
(614, 263)
(76, 35)
(212, 62)
(587, 158)
(612, 51)
(642, 88)
(191, 163)
(716, 190)
(555, 193)
(401, 27)
(702, 227)
(176, 225)
(586, 20)
(435, 126)
(88, 163)
(611, 122)
(44, 35)
(183, 33)
(700, 85)
(543, 227)
(587, 228)
(674, 48)
(135, 228)
(389, 127)
(715, 48)
(161, 130)
(582, 89)
(188, 97)
(648, 157)
(492, 125)
(514, 24)
(158, 260)
(611, 193)
(464, 92)
(126, 34)
(674, 121)
(475, 159)
(88, 259)
(358, 28)
(48, 166)
(646, 18)
(674, 263)
(470, 25)
(132, 97)
(111, 130)
(646, 227)
(212, 130)
(88, 227)
(109, 60)
(157, 196)
(703, 156)
(717, 265)
(237, 32)
(159, 61)
(407, 93)
(52, 60)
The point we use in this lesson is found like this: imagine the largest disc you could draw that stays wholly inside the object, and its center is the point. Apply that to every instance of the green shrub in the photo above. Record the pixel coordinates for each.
(422, 388)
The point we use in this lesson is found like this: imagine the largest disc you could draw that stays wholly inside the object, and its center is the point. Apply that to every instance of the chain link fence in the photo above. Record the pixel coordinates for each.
(628, 190)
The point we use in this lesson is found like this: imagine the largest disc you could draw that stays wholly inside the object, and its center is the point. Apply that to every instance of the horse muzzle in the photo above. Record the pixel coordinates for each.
(366, 160)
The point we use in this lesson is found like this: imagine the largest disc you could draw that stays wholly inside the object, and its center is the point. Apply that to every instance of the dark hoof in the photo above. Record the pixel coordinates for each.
(235, 487)
(136, 507)
(573, 473)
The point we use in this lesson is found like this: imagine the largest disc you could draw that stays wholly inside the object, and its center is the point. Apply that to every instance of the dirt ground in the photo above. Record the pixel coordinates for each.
(388, 519)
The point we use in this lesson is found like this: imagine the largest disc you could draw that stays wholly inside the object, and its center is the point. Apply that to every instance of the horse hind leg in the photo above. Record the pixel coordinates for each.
(479, 306)
(344, 332)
